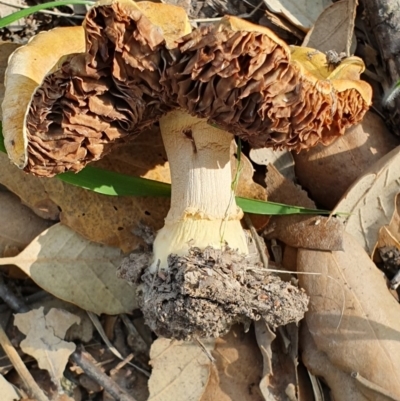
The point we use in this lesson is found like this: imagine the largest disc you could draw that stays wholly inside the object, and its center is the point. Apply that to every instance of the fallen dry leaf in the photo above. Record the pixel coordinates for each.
(311, 232)
(389, 235)
(385, 239)
(246, 187)
(352, 316)
(76, 270)
(6, 48)
(280, 189)
(18, 224)
(7, 391)
(328, 171)
(45, 339)
(341, 384)
(370, 201)
(110, 220)
(237, 371)
(333, 29)
(29, 189)
(281, 26)
(282, 160)
(181, 370)
(302, 13)
(279, 381)
(145, 157)
(82, 331)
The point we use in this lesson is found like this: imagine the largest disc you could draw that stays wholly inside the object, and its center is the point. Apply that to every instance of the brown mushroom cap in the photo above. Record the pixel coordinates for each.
(237, 75)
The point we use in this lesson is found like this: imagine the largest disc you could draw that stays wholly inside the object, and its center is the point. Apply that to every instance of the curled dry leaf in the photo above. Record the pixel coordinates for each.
(370, 201)
(301, 13)
(237, 369)
(45, 339)
(7, 391)
(327, 172)
(18, 225)
(352, 316)
(76, 270)
(304, 107)
(311, 232)
(181, 369)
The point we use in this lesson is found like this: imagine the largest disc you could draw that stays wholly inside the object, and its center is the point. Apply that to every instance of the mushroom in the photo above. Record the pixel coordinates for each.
(142, 64)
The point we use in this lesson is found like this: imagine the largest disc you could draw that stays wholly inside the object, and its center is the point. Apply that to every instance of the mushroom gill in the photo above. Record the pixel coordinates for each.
(239, 76)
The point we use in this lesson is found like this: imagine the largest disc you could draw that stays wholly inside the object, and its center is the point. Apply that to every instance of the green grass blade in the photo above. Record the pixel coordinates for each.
(272, 208)
(9, 19)
(115, 184)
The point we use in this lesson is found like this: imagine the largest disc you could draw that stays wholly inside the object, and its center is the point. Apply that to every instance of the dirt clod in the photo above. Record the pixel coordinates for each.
(204, 293)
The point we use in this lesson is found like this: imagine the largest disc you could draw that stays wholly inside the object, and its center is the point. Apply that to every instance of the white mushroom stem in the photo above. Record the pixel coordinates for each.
(203, 208)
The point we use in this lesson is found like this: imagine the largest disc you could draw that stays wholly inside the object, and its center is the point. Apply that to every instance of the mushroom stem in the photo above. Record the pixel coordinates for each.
(203, 209)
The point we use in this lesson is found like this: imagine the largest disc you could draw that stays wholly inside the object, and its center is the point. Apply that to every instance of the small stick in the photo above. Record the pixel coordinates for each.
(18, 305)
(205, 350)
(257, 240)
(88, 364)
(96, 323)
(32, 387)
(14, 303)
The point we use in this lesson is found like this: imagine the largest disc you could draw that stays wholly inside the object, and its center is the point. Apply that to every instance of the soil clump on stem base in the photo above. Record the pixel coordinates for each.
(204, 293)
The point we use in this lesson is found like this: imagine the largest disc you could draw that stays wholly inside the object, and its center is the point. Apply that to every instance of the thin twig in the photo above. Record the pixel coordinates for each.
(28, 300)
(257, 240)
(205, 20)
(95, 320)
(31, 386)
(88, 364)
(205, 350)
(18, 305)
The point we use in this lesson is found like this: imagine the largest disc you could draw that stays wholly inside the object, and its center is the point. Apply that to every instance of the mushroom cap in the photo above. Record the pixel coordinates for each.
(245, 80)
(27, 67)
(73, 114)
(141, 62)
